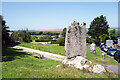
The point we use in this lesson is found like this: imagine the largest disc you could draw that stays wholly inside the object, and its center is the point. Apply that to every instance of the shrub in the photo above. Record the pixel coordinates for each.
(21, 35)
(43, 39)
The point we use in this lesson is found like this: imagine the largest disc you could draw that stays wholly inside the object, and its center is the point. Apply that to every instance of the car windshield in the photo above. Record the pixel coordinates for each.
(113, 49)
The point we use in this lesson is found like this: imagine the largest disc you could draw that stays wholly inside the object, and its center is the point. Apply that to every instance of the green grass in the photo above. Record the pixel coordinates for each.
(19, 64)
(97, 58)
(47, 48)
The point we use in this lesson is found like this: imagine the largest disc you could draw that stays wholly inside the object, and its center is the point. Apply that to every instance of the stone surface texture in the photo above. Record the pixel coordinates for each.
(75, 41)
(82, 63)
(98, 69)
(92, 48)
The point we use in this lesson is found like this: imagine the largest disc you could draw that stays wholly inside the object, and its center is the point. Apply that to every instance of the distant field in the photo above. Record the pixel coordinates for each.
(40, 35)
(54, 31)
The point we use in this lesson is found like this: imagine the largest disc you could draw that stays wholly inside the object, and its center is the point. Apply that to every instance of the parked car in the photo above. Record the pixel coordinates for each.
(106, 48)
(117, 55)
(111, 51)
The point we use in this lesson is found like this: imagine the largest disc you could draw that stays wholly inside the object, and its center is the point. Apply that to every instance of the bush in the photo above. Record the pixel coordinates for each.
(60, 41)
(21, 35)
(89, 40)
(43, 39)
(33, 37)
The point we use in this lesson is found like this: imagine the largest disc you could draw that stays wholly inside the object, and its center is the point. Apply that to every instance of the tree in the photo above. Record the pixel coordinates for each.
(88, 40)
(113, 34)
(98, 27)
(64, 32)
(104, 37)
(5, 35)
(61, 41)
(21, 35)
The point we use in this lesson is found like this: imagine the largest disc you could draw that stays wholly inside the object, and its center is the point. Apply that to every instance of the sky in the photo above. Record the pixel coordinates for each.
(56, 15)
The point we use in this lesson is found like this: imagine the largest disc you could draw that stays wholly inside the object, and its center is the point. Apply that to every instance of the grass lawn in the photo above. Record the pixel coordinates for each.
(19, 64)
(97, 58)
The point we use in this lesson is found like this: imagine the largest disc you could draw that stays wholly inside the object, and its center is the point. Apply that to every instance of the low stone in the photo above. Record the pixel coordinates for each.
(98, 69)
(81, 63)
(80, 60)
(90, 69)
(90, 62)
(80, 67)
(86, 66)
(57, 66)
(75, 61)
(65, 61)
(92, 48)
(40, 56)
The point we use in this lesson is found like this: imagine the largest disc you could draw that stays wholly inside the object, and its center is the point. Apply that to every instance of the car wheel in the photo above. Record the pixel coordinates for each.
(118, 60)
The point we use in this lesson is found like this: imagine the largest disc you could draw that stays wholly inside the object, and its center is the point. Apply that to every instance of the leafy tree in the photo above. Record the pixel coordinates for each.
(21, 35)
(33, 37)
(64, 32)
(113, 34)
(5, 34)
(98, 27)
(104, 37)
(61, 41)
(40, 33)
(88, 40)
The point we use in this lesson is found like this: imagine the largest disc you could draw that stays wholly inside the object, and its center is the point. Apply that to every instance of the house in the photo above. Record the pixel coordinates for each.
(59, 35)
(53, 37)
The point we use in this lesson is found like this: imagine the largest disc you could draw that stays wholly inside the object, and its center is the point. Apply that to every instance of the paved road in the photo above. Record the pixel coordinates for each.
(112, 68)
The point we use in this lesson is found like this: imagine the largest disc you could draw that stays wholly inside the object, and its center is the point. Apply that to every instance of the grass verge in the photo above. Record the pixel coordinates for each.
(19, 64)
(97, 57)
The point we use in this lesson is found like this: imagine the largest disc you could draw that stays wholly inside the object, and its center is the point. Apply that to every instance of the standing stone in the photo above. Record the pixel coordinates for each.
(92, 48)
(75, 41)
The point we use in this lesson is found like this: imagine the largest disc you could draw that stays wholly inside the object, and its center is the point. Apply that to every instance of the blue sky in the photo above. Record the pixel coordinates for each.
(56, 15)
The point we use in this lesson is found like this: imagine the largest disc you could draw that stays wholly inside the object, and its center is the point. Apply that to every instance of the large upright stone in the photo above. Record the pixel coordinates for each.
(75, 41)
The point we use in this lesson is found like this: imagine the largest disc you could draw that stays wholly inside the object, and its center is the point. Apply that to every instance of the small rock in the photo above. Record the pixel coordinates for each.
(80, 60)
(65, 61)
(90, 62)
(86, 66)
(98, 69)
(90, 69)
(79, 67)
(57, 66)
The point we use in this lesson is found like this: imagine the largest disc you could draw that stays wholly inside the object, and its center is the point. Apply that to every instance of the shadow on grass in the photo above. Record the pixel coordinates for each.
(9, 54)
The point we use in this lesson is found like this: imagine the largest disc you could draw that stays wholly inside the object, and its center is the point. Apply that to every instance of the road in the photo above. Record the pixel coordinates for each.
(112, 68)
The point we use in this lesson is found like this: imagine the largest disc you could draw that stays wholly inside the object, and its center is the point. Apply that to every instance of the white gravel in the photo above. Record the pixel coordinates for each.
(45, 54)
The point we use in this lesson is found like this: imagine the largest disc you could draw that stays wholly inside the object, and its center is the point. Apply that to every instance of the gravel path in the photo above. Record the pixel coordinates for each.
(45, 54)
